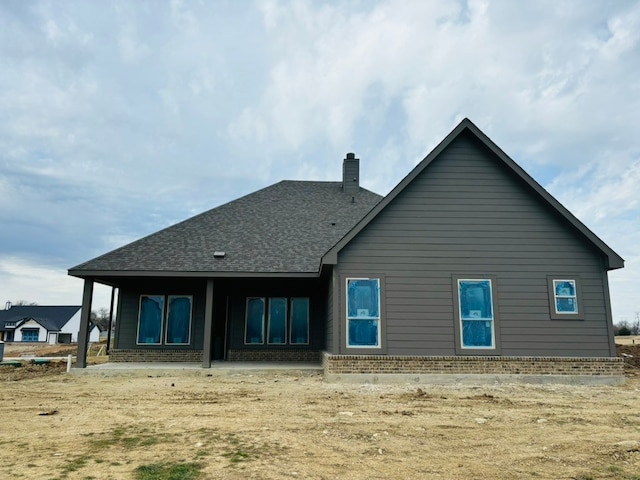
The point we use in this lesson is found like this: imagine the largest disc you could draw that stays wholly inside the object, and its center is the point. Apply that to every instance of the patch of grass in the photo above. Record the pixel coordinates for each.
(237, 456)
(584, 476)
(169, 471)
(120, 436)
(614, 469)
(75, 465)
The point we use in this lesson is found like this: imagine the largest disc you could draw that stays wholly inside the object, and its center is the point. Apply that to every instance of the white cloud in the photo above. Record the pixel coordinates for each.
(31, 281)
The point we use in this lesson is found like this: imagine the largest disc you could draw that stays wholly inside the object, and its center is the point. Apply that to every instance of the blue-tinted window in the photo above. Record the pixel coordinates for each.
(150, 320)
(254, 333)
(363, 312)
(566, 300)
(299, 320)
(30, 334)
(476, 313)
(277, 320)
(178, 319)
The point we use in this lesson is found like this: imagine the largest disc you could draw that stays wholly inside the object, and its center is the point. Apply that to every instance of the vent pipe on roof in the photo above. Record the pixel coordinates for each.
(351, 174)
(7, 305)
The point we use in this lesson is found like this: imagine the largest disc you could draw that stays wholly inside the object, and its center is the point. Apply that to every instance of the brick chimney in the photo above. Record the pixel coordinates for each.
(351, 174)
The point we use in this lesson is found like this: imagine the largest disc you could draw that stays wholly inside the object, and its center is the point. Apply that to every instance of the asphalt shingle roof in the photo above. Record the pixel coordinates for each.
(52, 317)
(283, 228)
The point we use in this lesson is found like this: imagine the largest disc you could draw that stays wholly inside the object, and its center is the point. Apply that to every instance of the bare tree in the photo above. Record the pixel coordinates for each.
(22, 303)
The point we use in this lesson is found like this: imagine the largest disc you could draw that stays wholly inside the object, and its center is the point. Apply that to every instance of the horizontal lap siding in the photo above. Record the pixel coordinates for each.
(129, 301)
(468, 214)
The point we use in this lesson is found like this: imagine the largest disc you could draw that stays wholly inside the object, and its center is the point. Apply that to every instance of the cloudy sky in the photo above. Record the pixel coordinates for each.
(120, 118)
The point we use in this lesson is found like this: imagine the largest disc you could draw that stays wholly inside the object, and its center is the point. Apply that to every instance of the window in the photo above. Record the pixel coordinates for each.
(254, 330)
(475, 313)
(564, 298)
(282, 318)
(178, 320)
(30, 334)
(277, 321)
(363, 312)
(174, 321)
(299, 321)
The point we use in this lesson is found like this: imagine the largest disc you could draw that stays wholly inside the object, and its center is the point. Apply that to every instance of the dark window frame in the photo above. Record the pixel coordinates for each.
(266, 322)
(164, 320)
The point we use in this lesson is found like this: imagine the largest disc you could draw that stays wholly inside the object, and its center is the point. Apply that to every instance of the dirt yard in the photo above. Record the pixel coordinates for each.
(273, 426)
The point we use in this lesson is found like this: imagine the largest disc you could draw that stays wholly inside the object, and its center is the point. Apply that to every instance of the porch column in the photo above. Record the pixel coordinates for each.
(85, 315)
(208, 325)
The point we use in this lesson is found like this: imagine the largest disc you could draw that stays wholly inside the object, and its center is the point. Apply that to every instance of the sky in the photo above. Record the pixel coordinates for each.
(120, 118)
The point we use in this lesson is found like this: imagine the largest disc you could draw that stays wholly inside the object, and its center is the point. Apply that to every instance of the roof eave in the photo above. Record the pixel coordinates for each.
(85, 274)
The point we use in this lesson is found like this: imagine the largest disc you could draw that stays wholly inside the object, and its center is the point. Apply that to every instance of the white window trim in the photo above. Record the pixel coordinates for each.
(574, 296)
(492, 319)
(378, 318)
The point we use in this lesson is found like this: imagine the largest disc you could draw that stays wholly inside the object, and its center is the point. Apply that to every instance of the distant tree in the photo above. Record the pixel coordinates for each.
(622, 328)
(21, 303)
(635, 326)
(624, 331)
(101, 318)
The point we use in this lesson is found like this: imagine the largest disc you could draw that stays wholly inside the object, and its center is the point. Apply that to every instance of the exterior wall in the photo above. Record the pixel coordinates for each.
(129, 302)
(239, 290)
(42, 332)
(468, 214)
(229, 319)
(275, 355)
(381, 364)
(73, 326)
(154, 355)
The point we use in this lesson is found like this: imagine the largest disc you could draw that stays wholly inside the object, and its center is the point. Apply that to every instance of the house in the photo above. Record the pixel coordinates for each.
(467, 266)
(35, 323)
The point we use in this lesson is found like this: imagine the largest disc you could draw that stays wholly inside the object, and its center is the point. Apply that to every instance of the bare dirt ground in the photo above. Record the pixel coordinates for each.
(272, 426)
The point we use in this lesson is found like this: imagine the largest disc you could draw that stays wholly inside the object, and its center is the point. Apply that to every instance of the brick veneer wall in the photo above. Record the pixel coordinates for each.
(381, 364)
(275, 355)
(155, 355)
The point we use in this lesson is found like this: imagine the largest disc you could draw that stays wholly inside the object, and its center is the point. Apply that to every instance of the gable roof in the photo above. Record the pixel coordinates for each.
(52, 317)
(283, 229)
(613, 259)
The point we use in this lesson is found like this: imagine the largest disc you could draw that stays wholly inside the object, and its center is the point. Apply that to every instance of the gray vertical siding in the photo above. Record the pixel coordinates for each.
(466, 213)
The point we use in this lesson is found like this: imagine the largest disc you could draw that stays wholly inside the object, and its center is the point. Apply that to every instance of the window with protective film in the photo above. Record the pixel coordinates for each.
(565, 299)
(476, 316)
(363, 312)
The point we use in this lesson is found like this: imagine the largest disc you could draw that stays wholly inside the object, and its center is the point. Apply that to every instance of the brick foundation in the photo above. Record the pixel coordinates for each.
(382, 364)
(276, 355)
(154, 355)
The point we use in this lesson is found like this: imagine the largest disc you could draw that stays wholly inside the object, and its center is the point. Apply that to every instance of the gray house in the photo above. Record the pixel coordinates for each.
(467, 266)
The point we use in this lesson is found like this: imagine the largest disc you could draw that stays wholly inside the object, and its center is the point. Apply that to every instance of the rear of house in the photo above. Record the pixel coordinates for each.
(468, 266)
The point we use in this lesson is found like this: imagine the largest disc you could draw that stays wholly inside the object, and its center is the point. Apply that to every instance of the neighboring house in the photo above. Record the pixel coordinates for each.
(467, 266)
(35, 323)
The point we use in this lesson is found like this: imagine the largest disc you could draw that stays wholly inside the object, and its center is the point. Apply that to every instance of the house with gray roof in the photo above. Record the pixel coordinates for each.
(467, 266)
(42, 323)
